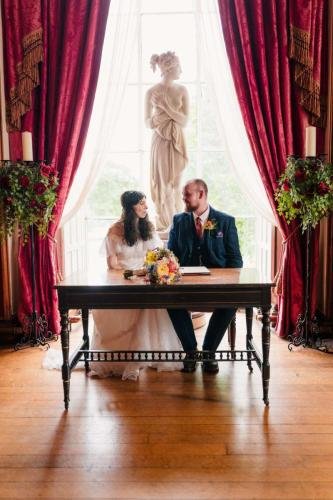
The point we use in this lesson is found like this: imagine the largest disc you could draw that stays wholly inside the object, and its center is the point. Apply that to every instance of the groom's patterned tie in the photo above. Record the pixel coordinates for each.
(198, 227)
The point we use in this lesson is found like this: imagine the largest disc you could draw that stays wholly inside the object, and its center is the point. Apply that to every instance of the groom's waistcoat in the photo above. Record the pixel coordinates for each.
(219, 247)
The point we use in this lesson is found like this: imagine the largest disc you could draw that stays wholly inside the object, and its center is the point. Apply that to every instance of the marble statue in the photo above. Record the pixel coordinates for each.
(166, 113)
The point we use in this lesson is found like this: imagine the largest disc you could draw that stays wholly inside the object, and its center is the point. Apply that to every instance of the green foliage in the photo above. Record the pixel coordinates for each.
(305, 191)
(246, 235)
(104, 199)
(27, 197)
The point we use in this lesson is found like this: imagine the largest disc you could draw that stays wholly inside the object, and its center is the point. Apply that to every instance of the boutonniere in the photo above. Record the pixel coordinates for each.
(210, 225)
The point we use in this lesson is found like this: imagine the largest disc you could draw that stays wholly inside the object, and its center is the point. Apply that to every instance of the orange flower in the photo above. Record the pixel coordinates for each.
(210, 225)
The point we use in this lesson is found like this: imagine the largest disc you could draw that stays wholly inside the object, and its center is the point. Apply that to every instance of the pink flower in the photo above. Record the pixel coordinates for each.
(300, 175)
(286, 186)
(24, 181)
(8, 200)
(172, 266)
(323, 188)
(39, 188)
(45, 170)
(33, 203)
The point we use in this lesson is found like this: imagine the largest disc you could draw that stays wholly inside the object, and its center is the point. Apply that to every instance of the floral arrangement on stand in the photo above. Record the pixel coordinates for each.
(162, 267)
(28, 193)
(305, 191)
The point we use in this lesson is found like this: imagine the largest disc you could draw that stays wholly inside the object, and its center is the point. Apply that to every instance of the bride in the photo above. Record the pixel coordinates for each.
(126, 245)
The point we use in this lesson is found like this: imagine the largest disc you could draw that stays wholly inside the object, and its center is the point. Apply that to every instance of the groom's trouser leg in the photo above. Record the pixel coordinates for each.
(182, 323)
(217, 327)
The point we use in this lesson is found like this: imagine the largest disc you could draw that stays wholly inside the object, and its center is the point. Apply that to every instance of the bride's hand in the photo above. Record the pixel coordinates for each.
(140, 272)
(129, 273)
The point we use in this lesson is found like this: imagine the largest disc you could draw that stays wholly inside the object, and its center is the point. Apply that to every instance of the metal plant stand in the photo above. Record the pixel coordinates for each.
(35, 327)
(307, 331)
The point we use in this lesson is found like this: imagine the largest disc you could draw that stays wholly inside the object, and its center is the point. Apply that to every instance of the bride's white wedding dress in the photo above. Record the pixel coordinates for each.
(132, 329)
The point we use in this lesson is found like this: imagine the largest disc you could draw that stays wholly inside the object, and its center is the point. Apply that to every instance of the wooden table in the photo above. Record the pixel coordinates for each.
(109, 290)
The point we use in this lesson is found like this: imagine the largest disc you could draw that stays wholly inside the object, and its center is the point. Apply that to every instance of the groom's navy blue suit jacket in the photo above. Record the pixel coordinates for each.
(218, 248)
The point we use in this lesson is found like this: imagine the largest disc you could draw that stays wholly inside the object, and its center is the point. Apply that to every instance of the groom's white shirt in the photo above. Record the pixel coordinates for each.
(203, 216)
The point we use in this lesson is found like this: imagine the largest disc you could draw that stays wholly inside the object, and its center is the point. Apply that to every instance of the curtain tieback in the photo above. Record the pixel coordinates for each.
(51, 238)
(279, 276)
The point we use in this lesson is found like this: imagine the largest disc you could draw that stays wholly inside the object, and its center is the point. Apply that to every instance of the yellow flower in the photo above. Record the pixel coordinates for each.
(151, 257)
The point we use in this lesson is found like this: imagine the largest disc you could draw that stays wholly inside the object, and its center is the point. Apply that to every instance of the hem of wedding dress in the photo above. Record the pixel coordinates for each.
(134, 374)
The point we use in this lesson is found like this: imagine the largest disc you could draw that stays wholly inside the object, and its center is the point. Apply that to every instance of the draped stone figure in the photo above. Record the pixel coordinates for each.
(166, 113)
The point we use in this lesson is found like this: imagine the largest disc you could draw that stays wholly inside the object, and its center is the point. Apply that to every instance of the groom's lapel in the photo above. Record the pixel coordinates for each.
(188, 235)
(207, 235)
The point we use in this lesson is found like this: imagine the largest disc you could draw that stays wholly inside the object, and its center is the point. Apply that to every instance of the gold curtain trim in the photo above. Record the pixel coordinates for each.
(28, 78)
(299, 47)
(299, 51)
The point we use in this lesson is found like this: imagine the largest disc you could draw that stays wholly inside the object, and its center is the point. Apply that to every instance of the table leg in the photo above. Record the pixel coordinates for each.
(266, 339)
(249, 318)
(232, 336)
(66, 372)
(85, 338)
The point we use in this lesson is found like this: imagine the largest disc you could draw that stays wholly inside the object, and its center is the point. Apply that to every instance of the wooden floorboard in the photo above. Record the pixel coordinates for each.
(169, 435)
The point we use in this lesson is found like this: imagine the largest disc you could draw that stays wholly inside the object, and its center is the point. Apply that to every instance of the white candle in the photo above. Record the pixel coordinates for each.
(27, 146)
(310, 141)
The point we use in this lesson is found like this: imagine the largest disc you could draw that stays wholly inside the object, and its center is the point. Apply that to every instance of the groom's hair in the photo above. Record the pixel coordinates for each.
(134, 229)
(199, 184)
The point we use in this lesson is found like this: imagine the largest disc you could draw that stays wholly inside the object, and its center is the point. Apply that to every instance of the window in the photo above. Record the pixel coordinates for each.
(127, 161)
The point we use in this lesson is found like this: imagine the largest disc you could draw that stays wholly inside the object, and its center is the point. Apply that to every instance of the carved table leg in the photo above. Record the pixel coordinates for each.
(85, 319)
(249, 318)
(266, 339)
(232, 336)
(66, 372)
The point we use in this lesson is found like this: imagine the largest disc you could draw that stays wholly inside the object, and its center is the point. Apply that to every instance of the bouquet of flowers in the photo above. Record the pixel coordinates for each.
(305, 191)
(162, 267)
(27, 197)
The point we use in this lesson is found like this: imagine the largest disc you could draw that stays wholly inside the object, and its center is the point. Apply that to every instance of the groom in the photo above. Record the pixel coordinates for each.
(203, 236)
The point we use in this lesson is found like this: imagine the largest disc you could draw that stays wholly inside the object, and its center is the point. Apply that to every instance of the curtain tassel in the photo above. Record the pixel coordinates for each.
(28, 78)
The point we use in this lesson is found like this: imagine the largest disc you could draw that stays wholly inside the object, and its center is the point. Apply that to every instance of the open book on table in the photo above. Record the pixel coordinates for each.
(188, 270)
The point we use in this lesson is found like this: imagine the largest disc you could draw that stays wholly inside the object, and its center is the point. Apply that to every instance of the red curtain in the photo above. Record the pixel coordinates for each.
(256, 37)
(73, 34)
(307, 40)
(23, 50)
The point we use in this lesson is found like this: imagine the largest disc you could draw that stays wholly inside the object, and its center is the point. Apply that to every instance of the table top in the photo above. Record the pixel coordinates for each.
(235, 278)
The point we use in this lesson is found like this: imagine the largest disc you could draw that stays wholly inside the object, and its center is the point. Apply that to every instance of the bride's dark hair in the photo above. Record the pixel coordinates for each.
(134, 228)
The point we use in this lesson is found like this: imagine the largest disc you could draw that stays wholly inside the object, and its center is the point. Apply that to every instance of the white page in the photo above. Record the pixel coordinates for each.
(194, 270)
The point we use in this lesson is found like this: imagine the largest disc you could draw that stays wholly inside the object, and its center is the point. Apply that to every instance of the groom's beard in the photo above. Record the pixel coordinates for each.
(191, 209)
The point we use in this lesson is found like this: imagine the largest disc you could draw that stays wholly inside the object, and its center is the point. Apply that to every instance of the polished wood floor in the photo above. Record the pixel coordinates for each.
(169, 435)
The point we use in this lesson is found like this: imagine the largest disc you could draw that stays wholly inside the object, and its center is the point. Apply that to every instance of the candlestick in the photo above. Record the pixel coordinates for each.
(27, 146)
(310, 141)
